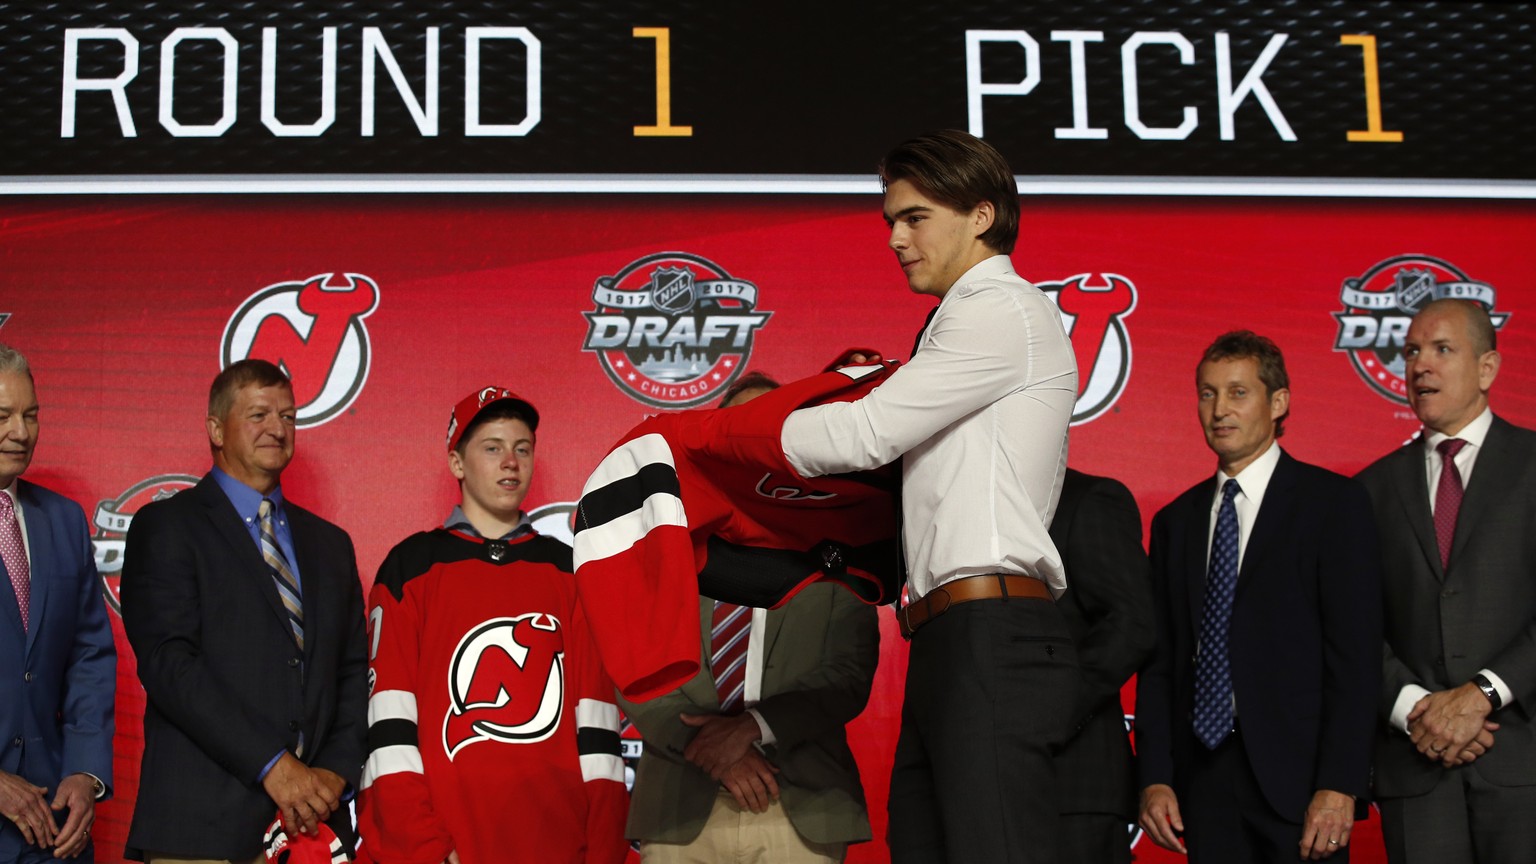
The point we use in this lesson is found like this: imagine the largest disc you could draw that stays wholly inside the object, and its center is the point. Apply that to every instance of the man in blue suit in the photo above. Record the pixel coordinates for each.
(1254, 718)
(56, 648)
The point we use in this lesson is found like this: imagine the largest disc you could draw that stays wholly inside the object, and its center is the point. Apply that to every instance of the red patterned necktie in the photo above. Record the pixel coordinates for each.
(728, 653)
(14, 553)
(1447, 497)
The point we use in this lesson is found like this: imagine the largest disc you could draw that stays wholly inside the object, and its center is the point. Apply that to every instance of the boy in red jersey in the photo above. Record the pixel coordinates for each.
(493, 735)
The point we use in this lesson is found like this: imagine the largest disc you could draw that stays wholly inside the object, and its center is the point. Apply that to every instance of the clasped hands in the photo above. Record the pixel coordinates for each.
(1451, 726)
(306, 796)
(28, 807)
(723, 749)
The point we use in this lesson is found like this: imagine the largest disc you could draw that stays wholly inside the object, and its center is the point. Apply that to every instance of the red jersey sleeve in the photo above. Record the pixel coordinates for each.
(597, 743)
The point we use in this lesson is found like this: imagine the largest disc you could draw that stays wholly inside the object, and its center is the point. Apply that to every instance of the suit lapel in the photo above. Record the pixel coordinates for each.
(1270, 524)
(701, 689)
(1495, 461)
(1197, 537)
(1413, 492)
(40, 541)
(247, 557)
(10, 607)
(307, 551)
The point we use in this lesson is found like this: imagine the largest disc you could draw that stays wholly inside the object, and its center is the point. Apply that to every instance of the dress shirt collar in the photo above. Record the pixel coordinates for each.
(1474, 433)
(1254, 479)
(457, 521)
(987, 268)
(247, 501)
(12, 490)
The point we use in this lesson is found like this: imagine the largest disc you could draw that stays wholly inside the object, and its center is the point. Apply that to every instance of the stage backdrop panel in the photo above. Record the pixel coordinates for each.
(389, 309)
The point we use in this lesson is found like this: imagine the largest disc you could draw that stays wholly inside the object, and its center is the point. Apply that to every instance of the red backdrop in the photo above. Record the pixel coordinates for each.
(122, 306)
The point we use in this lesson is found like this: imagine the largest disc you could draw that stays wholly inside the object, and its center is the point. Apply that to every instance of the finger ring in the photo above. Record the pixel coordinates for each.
(1333, 842)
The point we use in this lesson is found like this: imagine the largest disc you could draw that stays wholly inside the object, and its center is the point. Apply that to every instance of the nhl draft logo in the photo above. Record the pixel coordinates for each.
(1094, 317)
(1380, 304)
(111, 521)
(314, 331)
(673, 329)
(506, 682)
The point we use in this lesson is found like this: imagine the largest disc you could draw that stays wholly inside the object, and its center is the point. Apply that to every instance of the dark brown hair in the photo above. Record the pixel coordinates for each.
(960, 171)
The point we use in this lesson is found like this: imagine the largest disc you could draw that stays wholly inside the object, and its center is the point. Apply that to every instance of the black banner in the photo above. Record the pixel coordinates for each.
(1363, 90)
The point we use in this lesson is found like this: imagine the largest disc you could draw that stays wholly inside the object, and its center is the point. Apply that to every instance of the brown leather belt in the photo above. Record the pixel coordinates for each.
(964, 590)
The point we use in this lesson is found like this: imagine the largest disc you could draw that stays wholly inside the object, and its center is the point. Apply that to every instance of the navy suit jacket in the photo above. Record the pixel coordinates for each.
(1305, 638)
(227, 687)
(60, 676)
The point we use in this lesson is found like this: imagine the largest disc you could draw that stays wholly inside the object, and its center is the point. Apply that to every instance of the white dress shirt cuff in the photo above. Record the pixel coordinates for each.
(1407, 697)
(762, 728)
(1506, 695)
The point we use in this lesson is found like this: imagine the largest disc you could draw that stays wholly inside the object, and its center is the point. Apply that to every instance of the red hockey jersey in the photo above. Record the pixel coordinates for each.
(680, 489)
(492, 730)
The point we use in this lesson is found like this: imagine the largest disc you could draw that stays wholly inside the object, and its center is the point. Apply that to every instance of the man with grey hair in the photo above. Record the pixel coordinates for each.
(56, 646)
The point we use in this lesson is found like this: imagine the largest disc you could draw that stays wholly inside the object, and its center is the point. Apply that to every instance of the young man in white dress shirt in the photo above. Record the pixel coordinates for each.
(979, 418)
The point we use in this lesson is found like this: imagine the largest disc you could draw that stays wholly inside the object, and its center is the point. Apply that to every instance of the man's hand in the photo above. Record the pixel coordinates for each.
(1446, 723)
(853, 357)
(77, 792)
(721, 741)
(25, 805)
(1160, 817)
(306, 796)
(1325, 830)
(750, 781)
(453, 857)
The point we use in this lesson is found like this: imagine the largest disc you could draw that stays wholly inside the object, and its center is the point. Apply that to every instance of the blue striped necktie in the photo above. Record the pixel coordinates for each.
(282, 574)
(1213, 669)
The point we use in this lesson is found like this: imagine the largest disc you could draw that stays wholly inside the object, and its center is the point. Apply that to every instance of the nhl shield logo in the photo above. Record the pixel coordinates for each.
(111, 520)
(1094, 317)
(673, 329)
(314, 331)
(1380, 304)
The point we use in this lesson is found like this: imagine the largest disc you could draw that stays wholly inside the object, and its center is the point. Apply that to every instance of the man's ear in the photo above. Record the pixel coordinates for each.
(982, 218)
(215, 431)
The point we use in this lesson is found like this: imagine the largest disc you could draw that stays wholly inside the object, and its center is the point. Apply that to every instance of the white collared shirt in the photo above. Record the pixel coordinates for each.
(1253, 481)
(979, 417)
(1474, 433)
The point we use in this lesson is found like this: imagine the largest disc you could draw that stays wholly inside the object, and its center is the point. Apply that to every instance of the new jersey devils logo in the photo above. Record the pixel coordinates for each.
(673, 329)
(1094, 316)
(314, 331)
(112, 518)
(1380, 304)
(506, 682)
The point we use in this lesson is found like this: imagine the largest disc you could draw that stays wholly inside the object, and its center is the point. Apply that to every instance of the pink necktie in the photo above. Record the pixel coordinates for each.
(1447, 497)
(14, 553)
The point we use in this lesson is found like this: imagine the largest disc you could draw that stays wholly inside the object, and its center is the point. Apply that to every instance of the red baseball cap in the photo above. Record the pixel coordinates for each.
(470, 406)
(281, 848)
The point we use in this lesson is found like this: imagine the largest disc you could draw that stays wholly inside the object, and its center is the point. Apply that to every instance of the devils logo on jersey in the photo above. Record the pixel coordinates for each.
(506, 682)
(1380, 304)
(1094, 317)
(673, 329)
(314, 331)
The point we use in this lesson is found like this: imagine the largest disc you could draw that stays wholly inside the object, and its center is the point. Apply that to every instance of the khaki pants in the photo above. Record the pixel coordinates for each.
(734, 834)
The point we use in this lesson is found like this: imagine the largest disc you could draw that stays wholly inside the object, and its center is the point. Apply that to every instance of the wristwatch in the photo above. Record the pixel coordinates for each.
(1488, 689)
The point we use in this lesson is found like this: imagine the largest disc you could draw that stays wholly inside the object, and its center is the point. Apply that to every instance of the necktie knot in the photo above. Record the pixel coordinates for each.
(264, 509)
(7, 509)
(1229, 491)
(1450, 447)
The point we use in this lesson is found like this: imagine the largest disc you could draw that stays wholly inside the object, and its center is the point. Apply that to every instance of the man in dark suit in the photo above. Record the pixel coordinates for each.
(776, 779)
(246, 615)
(56, 648)
(1254, 717)
(1456, 751)
(1108, 605)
